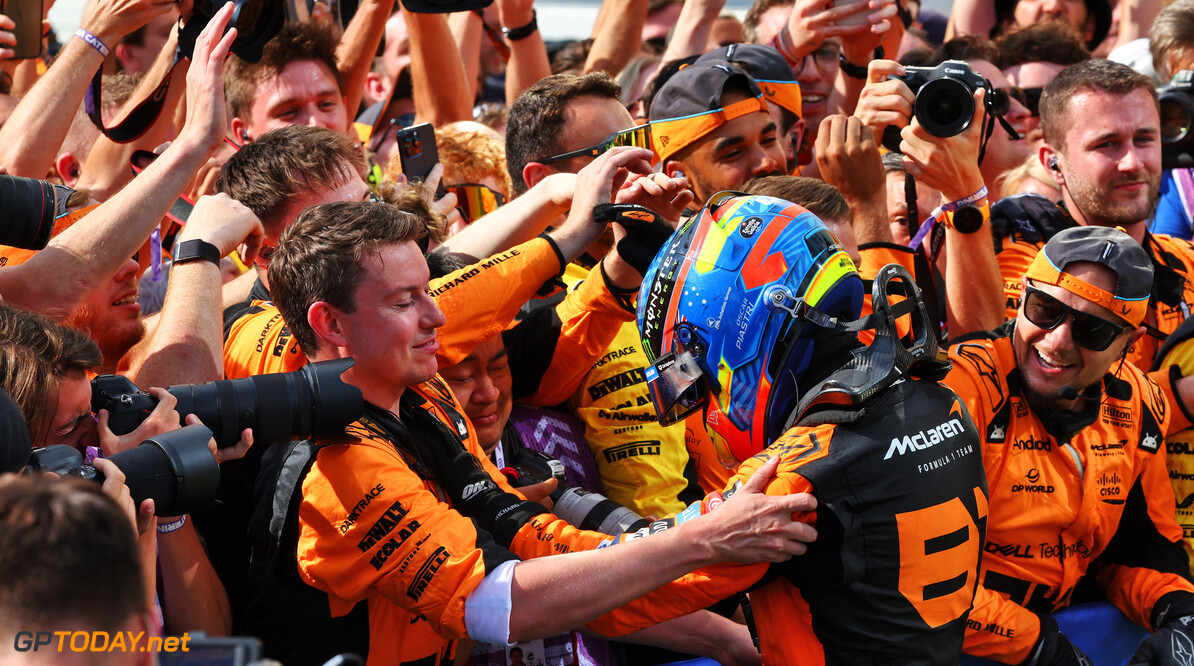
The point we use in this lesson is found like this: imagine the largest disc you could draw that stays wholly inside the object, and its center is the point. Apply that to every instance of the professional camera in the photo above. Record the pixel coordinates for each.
(944, 99)
(256, 22)
(28, 209)
(278, 407)
(579, 507)
(175, 469)
(1177, 111)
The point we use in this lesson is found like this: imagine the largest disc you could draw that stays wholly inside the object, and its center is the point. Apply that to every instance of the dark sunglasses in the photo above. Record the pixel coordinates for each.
(1001, 99)
(1089, 331)
(475, 201)
(1032, 100)
(639, 137)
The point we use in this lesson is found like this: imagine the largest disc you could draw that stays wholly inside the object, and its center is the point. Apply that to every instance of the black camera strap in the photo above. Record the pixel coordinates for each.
(989, 126)
(137, 121)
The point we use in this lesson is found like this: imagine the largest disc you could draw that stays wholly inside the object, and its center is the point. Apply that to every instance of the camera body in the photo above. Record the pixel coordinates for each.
(1177, 114)
(127, 405)
(944, 99)
(579, 507)
(312, 401)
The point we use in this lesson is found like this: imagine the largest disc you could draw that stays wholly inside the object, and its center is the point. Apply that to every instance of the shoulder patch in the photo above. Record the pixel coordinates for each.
(1116, 388)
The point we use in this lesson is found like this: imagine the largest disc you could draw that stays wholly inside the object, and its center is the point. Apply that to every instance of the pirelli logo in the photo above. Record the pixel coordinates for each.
(426, 572)
(631, 450)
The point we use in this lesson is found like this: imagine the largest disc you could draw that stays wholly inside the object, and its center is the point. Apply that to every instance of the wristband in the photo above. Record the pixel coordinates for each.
(780, 43)
(522, 31)
(973, 198)
(172, 525)
(196, 250)
(555, 248)
(92, 41)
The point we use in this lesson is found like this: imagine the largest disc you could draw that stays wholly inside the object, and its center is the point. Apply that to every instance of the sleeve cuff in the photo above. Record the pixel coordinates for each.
(487, 609)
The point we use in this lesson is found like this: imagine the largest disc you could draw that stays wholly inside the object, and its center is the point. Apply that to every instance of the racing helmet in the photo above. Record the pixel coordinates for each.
(727, 312)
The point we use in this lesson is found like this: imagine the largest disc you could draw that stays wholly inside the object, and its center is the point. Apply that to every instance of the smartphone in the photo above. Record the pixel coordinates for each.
(416, 148)
(27, 15)
(857, 18)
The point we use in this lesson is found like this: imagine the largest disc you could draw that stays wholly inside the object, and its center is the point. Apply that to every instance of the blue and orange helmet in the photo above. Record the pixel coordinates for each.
(727, 312)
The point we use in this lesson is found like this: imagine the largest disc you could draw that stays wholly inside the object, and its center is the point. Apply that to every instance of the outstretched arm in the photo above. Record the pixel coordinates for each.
(56, 279)
(31, 137)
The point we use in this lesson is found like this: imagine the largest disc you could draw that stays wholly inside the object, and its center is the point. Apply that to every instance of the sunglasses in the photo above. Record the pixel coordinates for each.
(639, 137)
(475, 201)
(1089, 331)
(1001, 99)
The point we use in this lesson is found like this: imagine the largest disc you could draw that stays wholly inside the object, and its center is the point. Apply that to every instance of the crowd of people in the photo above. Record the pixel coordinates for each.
(843, 333)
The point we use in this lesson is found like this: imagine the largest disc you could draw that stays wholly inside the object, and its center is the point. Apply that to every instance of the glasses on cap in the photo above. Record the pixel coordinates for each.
(475, 201)
(827, 56)
(639, 137)
(1089, 331)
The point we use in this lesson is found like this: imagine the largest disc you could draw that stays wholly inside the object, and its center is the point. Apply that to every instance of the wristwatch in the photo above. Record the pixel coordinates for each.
(196, 250)
(967, 219)
(522, 31)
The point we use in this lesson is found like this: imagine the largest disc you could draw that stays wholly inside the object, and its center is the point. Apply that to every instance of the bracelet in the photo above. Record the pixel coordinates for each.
(857, 71)
(172, 525)
(624, 297)
(780, 43)
(522, 31)
(977, 196)
(850, 69)
(92, 41)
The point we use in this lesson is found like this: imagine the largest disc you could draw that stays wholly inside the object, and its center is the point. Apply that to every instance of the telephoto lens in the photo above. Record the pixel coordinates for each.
(27, 208)
(579, 507)
(175, 469)
(312, 401)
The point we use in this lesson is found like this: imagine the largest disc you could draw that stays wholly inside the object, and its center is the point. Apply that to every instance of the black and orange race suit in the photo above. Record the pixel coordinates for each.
(902, 506)
(1072, 493)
